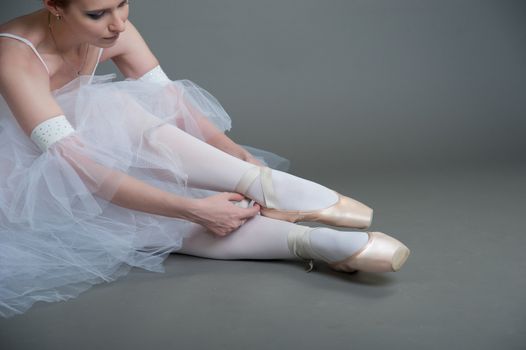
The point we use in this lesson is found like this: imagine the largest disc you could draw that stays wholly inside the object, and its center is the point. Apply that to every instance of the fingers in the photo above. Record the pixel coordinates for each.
(223, 231)
(232, 196)
(257, 162)
(236, 215)
(247, 212)
(250, 211)
(232, 225)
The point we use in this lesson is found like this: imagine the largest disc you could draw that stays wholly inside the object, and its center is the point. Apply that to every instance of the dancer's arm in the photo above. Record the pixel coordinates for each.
(24, 83)
(224, 143)
(133, 58)
(216, 213)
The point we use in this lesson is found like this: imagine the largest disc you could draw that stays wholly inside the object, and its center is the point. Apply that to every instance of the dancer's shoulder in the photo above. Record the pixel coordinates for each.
(18, 62)
(19, 43)
(25, 86)
(26, 27)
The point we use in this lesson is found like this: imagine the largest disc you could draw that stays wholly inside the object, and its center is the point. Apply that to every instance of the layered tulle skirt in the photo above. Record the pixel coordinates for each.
(59, 232)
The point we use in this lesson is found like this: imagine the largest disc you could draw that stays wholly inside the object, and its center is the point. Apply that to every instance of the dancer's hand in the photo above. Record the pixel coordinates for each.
(251, 159)
(219, 215)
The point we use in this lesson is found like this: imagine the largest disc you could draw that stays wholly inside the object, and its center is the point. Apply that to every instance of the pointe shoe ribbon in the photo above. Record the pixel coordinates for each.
(381, 253)
(299, 245)
(266, 183)
(346, 212)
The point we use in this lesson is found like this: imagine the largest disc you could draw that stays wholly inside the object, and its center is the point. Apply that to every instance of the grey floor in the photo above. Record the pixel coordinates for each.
(463, 287)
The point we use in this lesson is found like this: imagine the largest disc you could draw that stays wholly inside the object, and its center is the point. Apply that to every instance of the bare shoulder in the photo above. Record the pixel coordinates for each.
(24, 84)
(25, 26)
(130, 53)
(16, 57)
(13, 24)
(13, 52)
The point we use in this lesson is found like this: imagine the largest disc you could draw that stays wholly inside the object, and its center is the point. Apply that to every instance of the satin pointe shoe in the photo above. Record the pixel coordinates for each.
(381, 253)
(346, 212)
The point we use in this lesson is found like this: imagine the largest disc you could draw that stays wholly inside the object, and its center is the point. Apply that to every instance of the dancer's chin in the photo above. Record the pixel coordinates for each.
(110, 41)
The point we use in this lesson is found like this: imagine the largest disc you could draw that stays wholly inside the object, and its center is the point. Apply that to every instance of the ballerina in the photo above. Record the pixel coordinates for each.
(97, 176)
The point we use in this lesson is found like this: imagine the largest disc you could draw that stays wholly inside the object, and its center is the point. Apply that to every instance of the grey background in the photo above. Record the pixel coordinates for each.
(355, 84)
(364, 84)
(414, 107)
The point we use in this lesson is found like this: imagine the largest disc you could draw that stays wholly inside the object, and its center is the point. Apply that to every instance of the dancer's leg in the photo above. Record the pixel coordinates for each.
(266, 238)
(210, 168)
(258, 238)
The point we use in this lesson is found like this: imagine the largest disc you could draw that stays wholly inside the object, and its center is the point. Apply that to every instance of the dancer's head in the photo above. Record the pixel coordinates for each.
(93, 21)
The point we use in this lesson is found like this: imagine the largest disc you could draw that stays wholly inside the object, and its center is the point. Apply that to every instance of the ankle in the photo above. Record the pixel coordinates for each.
(276, 189)
(256, 184)
(337, 245)
(320, 243)
(298, 240)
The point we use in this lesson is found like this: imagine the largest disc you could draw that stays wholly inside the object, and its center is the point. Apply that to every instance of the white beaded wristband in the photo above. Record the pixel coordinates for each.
(156, 75)
(50, 131)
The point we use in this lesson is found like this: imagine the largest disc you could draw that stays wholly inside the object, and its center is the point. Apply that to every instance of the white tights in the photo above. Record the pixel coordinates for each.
(210, 168)
(260, 237)
(266, 238)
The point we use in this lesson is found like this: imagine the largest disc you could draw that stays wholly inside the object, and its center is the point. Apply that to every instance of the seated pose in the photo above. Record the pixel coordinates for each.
(98, 176)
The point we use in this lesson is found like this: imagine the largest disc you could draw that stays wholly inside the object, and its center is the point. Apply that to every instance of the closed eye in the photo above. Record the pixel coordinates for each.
(95, 15)
(98, 14)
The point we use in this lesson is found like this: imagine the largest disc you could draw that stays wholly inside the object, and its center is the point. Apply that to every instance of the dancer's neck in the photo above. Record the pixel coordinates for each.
(66, 42)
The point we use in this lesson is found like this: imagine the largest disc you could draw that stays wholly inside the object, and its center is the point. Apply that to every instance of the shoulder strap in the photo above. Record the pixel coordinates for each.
(96, 64)
(98, 60)
(29, 43)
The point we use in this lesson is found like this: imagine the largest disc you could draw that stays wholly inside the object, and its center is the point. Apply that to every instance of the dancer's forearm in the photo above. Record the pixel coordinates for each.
(127, 191)
(225, 144)
(217, 213)
(211, 134)
(218, 139)
(138, 195)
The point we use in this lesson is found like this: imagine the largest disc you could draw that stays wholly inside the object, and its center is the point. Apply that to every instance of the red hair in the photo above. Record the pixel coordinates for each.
(62, 3)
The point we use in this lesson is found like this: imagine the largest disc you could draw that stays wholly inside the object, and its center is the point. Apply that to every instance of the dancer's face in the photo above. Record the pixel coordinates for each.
(98, 22)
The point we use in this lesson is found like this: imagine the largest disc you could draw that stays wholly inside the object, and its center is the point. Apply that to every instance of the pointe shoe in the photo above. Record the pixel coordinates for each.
(381, 253)
(346, 212)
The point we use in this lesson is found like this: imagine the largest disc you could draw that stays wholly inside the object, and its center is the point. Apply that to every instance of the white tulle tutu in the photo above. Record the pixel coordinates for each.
(59, 233)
